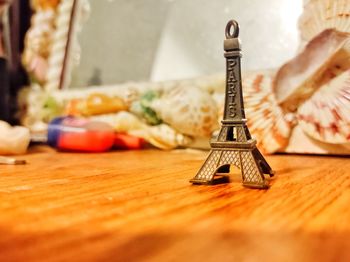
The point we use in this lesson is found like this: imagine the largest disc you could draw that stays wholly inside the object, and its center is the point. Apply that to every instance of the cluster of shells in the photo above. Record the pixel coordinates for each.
(308, 95)
(189, 113)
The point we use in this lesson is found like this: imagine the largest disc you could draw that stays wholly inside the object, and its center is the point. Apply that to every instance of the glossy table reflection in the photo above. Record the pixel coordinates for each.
(139, 206)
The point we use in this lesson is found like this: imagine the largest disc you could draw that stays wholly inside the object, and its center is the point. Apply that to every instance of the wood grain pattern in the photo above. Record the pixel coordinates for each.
(139, 206)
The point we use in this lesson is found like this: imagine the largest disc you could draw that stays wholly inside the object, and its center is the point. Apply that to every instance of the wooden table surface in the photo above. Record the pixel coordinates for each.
(140, 206)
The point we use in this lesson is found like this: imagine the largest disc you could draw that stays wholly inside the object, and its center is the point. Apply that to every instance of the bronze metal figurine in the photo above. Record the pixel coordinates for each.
(234, 144)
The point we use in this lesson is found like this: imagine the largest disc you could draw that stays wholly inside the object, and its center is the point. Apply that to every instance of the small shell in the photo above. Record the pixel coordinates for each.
(187, 109)
(266, 120)
(319, 15)
(326, 116)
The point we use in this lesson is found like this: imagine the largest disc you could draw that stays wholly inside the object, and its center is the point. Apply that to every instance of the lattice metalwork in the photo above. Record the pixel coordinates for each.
(234, 145)
(207, 171)
(247, 133)
(223, 134)
(250, 171)
(230, 157)
(241, 137)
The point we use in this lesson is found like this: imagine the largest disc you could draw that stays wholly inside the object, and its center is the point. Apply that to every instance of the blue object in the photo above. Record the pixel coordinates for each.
(53, 131)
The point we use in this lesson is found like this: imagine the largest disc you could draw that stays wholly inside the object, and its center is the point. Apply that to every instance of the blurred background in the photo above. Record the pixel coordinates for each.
(114, 60)
(175, 39)
(14, 22)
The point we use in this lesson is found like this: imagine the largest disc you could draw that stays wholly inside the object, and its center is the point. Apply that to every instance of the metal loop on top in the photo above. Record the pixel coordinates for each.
(235, 29)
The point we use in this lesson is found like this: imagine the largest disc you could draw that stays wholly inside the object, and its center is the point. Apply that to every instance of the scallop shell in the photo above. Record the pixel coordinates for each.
(324, 57)
(319, 15)
(189, 110)
(326, 116)
(265, 118)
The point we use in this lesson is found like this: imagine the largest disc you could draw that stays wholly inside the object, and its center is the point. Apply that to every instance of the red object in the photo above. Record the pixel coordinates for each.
(79, 134)
(125, 141)
(89, 141)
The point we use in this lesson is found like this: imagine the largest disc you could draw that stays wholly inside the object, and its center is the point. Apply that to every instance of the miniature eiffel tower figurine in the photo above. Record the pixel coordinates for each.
(234, 144)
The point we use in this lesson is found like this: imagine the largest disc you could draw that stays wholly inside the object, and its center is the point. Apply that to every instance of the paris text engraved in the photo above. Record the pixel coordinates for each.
(231, 87)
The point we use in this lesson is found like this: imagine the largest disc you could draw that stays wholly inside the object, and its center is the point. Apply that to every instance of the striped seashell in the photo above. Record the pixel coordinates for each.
(266, 120)
(326, 115)
(319, 15)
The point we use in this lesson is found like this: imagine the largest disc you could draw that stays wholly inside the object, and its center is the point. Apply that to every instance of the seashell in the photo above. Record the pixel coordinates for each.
(319, 15)
(326, 115)
(265, 118)
(189, 110)
(324, 57)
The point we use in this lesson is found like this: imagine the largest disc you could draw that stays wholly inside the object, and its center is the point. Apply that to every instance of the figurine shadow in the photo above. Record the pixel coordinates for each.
(230, 173)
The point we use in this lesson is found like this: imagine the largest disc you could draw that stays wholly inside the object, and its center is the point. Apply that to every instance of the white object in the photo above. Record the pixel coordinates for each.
(13, 140)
